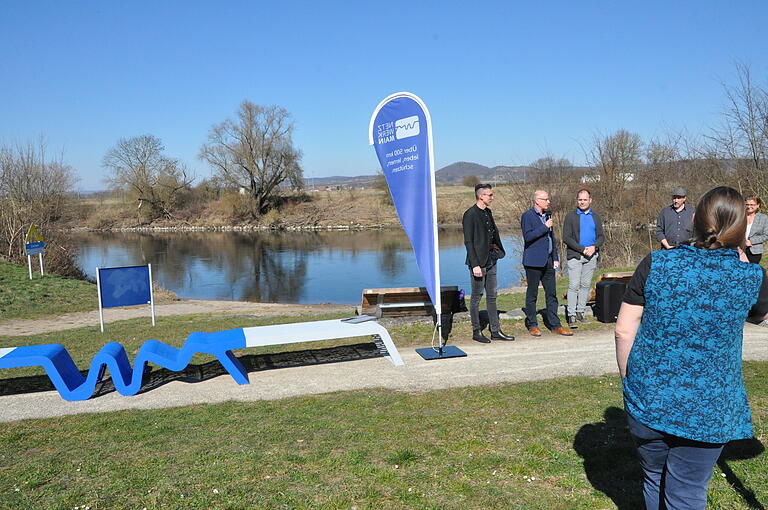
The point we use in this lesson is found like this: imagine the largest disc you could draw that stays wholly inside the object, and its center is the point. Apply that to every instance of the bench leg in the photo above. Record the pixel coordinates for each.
(232, 365)
(394, 355)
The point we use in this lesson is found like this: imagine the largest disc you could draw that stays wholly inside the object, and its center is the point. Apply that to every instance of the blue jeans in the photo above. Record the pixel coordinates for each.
(545, 275)
(676, 471)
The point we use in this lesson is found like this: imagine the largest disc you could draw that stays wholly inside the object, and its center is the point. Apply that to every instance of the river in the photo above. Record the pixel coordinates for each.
(283, 267)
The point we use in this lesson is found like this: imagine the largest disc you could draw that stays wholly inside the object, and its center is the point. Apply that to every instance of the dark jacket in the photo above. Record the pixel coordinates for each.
(572, 234)
(675, 227)
(477, 239)
(535, 234)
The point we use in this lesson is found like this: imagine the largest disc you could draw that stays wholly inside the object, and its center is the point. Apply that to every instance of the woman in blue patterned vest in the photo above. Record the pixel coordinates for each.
(678, 345)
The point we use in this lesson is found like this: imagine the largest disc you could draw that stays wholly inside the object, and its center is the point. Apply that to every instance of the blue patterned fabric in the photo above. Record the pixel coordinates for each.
(684, 370)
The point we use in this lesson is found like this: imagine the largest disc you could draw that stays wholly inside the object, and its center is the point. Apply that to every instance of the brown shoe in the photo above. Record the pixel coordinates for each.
(534, 331)
(562, 331)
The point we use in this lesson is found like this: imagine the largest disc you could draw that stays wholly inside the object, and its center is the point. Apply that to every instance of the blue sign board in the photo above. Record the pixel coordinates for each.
(400, 131)
(35, 248)
(124, 286)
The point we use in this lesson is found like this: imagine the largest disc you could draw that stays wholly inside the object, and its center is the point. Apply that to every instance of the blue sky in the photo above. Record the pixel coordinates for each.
(505, 82)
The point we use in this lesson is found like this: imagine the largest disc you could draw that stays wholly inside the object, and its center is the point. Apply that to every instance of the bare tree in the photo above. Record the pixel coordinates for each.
(470, 181)
(617, 158)
(33, 189)
(255, 152)
(742, 135)
(139, 168)
(380, 183)
(549, 169)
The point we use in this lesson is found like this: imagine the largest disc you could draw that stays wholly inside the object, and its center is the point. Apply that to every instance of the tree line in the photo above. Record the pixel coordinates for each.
(631, 179)
(253, 153)
(252, 156)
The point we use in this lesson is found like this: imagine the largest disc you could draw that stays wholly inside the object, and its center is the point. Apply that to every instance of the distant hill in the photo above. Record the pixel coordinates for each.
(358, 181)
(455, 172)
(450, 174)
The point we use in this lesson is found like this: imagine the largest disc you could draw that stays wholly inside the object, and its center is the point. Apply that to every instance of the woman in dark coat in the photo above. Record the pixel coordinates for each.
(678, 345)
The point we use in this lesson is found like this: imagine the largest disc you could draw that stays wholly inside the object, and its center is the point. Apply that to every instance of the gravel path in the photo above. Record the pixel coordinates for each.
(527, 359)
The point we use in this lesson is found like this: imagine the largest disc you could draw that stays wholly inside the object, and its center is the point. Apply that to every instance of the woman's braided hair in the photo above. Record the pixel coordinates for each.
(720, 220)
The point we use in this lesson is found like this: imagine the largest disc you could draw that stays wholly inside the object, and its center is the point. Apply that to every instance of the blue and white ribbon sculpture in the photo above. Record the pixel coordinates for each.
(73, 385)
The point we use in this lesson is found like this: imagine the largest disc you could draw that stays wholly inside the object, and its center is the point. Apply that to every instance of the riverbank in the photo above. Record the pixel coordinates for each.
(352, 209)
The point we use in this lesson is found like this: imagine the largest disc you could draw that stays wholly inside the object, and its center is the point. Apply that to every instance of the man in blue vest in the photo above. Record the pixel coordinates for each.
(540, 260)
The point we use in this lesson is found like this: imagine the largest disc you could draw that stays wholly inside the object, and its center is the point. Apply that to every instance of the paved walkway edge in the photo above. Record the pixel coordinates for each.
(527, 359)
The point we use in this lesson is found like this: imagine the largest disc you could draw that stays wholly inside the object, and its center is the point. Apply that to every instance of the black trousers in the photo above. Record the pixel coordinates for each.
(545, 275)
(753, 257)
(486, 283)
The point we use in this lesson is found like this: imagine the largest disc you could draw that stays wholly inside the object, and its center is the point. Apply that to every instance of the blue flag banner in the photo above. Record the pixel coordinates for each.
(401, 132)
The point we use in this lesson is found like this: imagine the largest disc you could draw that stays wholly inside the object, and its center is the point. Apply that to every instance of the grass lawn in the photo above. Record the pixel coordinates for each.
(559, 444)
(49, 294)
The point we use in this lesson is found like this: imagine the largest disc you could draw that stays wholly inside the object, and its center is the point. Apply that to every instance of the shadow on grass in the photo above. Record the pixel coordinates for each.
(609, 457)
(611, 464)
(741, 450)
(154, 378)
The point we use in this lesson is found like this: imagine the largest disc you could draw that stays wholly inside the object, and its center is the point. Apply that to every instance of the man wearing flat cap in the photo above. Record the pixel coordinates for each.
(674, 225)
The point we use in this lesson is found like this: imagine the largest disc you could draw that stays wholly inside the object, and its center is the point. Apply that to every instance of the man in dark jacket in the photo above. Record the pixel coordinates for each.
(540, 260)
(675, 223)
(583, 235)
(481, 238)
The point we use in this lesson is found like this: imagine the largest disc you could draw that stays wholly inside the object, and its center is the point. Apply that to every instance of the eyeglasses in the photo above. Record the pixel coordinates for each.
(544, 199)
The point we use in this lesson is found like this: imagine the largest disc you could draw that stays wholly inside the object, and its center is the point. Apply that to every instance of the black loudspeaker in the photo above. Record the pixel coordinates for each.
(608, 297)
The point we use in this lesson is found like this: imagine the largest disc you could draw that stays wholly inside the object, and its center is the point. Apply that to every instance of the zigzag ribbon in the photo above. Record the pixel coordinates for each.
(73, 386)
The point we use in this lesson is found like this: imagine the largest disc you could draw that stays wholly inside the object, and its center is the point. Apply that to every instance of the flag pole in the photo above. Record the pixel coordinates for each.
(442, 352)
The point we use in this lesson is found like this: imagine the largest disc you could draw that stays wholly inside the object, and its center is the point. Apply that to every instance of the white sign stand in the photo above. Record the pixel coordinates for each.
(151, 294)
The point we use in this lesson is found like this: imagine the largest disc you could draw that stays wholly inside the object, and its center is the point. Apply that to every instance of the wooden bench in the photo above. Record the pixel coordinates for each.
(407, 302)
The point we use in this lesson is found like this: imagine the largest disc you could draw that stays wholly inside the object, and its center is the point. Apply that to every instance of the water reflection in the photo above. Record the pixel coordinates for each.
(282, 267)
